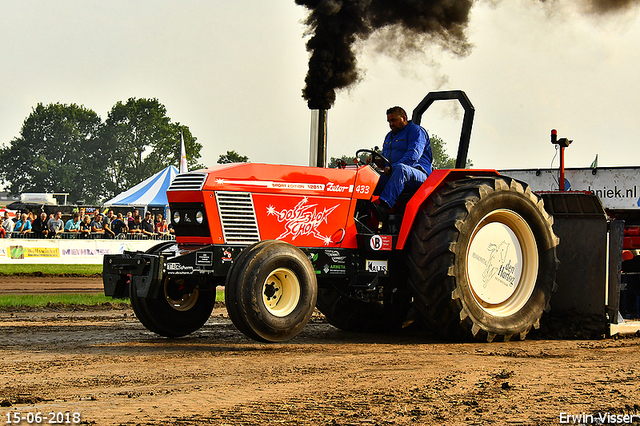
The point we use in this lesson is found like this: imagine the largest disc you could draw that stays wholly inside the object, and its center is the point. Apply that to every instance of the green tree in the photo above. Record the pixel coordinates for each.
(232, 157)
(58, 150)
(441, 159)
(142, 141)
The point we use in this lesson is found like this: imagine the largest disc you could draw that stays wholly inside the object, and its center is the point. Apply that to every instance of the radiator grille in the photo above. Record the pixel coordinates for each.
(188, 181)
(238, 217)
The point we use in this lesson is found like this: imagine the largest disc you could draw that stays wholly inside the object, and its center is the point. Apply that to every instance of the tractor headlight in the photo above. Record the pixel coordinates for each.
(189, 219)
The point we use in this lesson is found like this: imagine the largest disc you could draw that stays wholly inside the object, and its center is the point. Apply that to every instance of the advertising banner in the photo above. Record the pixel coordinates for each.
(617, 187)
(72, 251)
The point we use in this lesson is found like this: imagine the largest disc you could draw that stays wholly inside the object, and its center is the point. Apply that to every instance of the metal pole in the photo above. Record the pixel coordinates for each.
(561, 183)
(318, 143)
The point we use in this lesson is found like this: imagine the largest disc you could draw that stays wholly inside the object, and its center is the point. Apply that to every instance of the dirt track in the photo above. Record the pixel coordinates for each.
(43, 284)
(104, 365)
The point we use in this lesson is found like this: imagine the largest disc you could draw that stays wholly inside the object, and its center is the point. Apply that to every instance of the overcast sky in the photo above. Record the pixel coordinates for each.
(233, 71)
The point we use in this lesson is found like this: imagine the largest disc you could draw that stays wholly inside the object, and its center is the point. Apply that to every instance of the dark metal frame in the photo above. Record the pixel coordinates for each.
(467, 122)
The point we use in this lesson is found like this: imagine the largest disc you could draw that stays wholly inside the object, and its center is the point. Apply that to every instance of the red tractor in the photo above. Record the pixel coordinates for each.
(473, 252)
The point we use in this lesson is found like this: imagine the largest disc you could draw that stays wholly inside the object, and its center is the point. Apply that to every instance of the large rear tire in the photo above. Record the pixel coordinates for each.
(271, 291)
(483, 259)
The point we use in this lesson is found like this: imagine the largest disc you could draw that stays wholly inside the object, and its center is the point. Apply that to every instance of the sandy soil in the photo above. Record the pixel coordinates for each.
(103, 364)
(10, 284)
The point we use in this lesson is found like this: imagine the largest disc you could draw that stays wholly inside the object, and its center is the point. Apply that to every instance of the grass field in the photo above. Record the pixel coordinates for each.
(43, 300)
(51, 269)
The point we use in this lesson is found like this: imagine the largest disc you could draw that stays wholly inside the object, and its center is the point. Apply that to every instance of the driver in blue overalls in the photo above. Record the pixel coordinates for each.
(408, 149)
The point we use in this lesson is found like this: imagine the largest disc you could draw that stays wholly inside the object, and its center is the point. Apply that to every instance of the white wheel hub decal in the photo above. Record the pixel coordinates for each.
(502, 262)
(495, 263)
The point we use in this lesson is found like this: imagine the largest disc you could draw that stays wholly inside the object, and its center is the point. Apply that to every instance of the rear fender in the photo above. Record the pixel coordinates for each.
(435, 180)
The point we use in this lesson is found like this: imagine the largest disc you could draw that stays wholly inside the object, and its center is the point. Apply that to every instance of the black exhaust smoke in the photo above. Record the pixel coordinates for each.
(336, 26)
(608, 6)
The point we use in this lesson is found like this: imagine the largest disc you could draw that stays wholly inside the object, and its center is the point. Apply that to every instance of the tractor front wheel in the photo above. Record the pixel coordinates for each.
(271, 291)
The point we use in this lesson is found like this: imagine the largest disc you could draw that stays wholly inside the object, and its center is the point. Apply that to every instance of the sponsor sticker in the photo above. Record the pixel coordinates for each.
(338, 270)
(335, 256)
(173, 267)
(376, 265)
(381, 242)
(226, 256)
(204, 258)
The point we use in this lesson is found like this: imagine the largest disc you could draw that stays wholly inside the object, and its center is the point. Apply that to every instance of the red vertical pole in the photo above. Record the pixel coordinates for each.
(561, 168)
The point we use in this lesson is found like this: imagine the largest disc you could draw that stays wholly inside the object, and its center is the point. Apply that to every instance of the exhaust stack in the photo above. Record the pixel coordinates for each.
(318, 145)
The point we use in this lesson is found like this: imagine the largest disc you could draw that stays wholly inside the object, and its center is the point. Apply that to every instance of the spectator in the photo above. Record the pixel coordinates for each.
(73, 225)
(119, 226)
(147, 224)
(23, 225)
(135, 227)
(39, 226)
(161, 227)
(56, 225)
(7, 224)
(158, 219)
(129, 218)
(96, 224)
(85, 227)
(106, 222)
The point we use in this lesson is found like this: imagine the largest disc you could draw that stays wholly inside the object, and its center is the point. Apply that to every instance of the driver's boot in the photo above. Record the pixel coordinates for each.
(381, 210)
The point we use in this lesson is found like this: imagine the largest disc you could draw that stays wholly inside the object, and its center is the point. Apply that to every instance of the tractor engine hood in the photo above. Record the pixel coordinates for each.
(269, 178)
(243, 203)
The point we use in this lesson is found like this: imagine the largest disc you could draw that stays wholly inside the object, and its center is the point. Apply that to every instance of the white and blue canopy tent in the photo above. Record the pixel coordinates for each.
(148, 194)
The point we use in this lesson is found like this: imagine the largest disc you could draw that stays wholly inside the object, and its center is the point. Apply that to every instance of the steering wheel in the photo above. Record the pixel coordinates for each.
(374, 155)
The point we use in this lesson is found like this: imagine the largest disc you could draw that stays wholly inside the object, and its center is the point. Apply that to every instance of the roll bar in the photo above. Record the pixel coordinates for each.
(467, 122)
